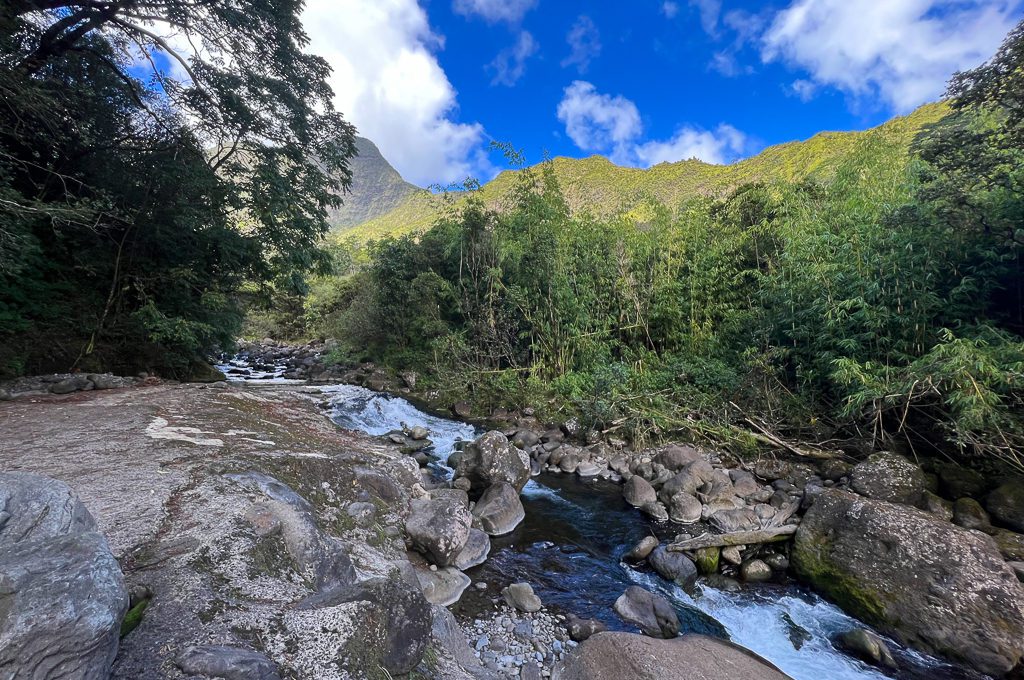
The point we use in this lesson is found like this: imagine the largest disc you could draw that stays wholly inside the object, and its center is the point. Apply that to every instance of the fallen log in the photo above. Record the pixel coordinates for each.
(770, 535)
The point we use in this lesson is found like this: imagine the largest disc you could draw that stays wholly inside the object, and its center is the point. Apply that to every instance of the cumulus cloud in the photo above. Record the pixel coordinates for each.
(603, 123)
(584, 44)
(493, 11)
(722, 145)
(510, 64)
(388, 82)
(902, 51)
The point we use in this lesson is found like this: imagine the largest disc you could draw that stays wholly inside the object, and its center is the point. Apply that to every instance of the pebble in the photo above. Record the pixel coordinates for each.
(517, 644)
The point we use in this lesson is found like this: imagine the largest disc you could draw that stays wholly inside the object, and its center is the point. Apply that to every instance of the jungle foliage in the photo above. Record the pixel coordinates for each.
(143, 180)
(883, 302)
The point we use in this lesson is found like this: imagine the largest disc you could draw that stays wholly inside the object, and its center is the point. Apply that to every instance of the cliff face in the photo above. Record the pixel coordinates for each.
(377, 188)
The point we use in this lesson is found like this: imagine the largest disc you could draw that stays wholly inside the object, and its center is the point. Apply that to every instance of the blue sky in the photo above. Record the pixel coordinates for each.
(642, 81)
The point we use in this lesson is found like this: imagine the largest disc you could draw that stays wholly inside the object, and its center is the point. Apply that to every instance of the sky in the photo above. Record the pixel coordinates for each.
(434, 82)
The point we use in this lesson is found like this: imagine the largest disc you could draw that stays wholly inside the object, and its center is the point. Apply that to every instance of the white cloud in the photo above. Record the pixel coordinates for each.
(722, 145)
(388, 82)
(493, 11)
(709, 12)
(510, 64)
(670, 9)
(603, 123)
(584, 44)
(804, 89)
(598, 122)
(902, 51)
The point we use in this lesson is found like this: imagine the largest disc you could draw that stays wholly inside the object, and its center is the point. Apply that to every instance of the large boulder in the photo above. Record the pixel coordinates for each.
(62, 594)
(673, 566)
(228, 663)
(499, 510)
(650, 612)
(406, 617)
(614, 656)
(475, 551)
(638, 492)
(931, 584)
(491, 459)
(888, 477)
(1006, 504)
(439, 528)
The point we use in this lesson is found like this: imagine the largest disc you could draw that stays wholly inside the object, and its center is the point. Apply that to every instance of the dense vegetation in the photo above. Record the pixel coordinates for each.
(143, 186)
(880, 302)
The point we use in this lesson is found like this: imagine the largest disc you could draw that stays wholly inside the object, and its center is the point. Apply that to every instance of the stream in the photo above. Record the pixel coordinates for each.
(569, 548)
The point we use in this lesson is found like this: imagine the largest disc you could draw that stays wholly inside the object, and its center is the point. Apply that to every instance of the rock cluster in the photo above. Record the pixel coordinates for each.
(63, 383)
(519, 644)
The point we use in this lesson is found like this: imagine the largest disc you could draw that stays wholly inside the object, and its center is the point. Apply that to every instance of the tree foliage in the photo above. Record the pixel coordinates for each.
(153, 157)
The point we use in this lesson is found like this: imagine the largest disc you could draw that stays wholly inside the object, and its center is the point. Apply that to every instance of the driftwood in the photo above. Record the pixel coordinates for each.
(763, 434)
(769, 535)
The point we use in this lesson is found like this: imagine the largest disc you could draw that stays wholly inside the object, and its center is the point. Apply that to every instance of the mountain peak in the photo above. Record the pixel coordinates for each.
(377, 188)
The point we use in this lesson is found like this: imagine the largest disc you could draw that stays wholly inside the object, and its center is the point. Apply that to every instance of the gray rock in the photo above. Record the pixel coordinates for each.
(229, 663)
(931, 584)
(732, 554)
(743, 483)
(755, 571)
(969, 514)
(104, 381)
(5, 395)
(521, 596)
(868, 646)
(655, 511)
(363, 513)
(937, 506)
(1018, 568)
(642, 549)
(491, 459)
(589, 469)
(617, 656)
(688, 480)
(673, 566)
(475, 551)
(651, 612)
(499, 510)
(684, 509)
(772, 469)
(407, 617)
(675, 458)
(439, 528)
(956, 481)
(1006, 504)
(638, 492)
(443, 587)
(446, 634)
(419, 433)
(62, 596)
(72, 384)
(1010, 544)
(888, 477)
(581, 629)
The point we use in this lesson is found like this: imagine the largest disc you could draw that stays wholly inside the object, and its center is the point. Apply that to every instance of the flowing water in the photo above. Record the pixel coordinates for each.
(570, 545)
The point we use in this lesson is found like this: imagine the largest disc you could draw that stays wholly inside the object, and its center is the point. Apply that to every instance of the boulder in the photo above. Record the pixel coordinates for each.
(673, 566)
(638, 492)
(1006, 504)
(62, 594)
(407, 617)
(641, 550)
(738, 519)
(439, 528)
(931, 584)
(675, 458)
(888, 477)
(1010, 544)
(229, 663)
(969, 514)
(755, 571)
(491, 459)
(475, 552)
(868, 646)
(937, 506)
(499, 510)
(655, 511)
(520, 596)
(589, 468)
(688, 480)
(743, 483)
(442, 587)
(582, 629)
(75, 384)
(684, 509)
(706, 559)
(202, 372)
(650, 612)
(616, 656)
(461, 410)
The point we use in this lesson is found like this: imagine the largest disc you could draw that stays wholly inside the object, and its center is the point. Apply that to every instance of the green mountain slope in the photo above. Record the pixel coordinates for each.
(603, 188)
(376, 190)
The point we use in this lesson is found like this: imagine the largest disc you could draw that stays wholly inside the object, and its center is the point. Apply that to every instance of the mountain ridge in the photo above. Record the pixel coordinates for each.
(598, 185)
(377, 188)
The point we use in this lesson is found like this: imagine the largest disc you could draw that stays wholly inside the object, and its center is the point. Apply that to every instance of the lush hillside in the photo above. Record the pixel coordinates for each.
(376, 190)
(598, 185)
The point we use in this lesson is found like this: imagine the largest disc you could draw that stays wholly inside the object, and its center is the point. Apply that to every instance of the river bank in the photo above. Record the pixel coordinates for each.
(173, 474)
